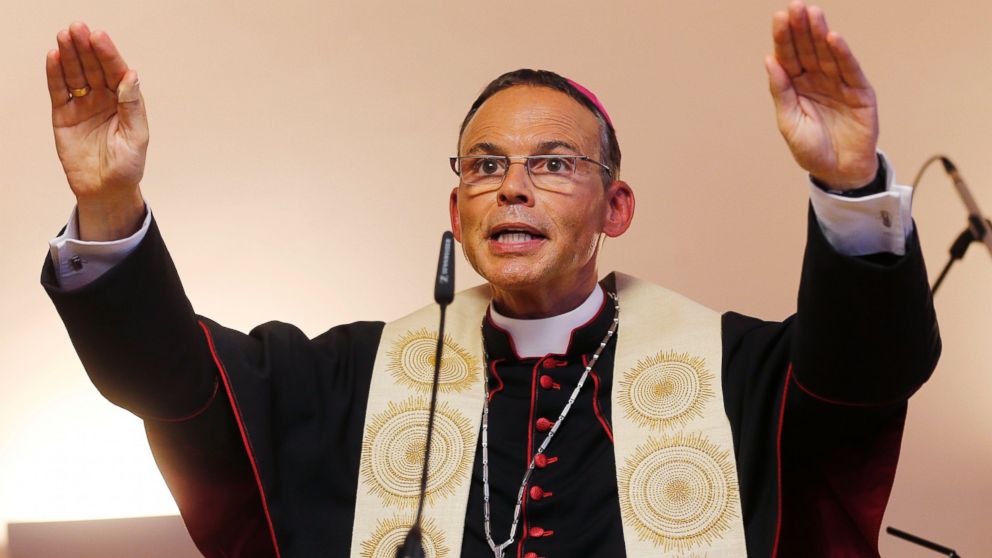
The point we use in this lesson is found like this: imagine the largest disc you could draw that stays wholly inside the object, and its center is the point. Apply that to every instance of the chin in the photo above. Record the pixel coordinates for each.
(514, 275)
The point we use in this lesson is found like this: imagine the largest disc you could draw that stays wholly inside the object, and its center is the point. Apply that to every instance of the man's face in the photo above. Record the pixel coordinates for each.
(521, 236)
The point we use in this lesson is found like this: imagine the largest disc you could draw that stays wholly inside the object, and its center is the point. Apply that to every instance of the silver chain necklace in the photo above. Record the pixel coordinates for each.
(499, 548)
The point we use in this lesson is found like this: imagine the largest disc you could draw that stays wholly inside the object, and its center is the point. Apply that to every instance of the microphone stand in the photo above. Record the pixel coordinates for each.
(922, 542)
(976, 231)
(978, 226)
(444, 294)
(960, 246)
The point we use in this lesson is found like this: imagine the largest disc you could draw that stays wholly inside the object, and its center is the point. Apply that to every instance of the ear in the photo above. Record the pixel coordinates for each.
(456, 224)
(619, 209)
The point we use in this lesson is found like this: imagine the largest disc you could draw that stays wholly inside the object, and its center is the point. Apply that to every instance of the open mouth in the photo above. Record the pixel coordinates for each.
(511, 236)
(515, 233)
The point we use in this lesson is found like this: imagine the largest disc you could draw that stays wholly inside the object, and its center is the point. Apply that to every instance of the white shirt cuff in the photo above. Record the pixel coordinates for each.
(868, 225)
(80, 262)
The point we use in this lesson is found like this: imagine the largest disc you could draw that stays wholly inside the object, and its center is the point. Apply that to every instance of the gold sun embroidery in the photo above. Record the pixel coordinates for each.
(390, 533)
(411, 363)
(679, 491)
(393, 452)
(666, 390)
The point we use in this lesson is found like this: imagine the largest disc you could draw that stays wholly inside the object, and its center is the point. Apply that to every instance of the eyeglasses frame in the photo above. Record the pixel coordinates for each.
(454, 162)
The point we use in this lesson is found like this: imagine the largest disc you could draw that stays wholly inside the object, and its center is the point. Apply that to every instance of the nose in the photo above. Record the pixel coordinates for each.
(517, 187)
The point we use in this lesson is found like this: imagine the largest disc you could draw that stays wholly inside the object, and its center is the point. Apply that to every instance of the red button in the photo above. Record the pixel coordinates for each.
(536, 532)
(530, 555)
(541, 461)
(547, 382)
(537, 493)
(544, 424)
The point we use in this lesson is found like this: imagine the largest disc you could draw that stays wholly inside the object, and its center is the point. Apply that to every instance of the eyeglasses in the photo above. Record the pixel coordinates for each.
(549, 172)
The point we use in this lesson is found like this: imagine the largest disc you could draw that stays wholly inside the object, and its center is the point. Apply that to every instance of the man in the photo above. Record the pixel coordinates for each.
(617, 418)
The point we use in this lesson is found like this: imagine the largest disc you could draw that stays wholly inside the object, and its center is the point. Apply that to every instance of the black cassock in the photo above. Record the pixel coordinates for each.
(269, 449)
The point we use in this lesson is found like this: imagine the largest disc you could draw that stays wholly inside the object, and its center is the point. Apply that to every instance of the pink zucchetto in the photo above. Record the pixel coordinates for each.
(589, 95)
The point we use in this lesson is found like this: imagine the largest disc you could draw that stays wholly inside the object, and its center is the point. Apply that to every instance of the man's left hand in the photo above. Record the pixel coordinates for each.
(826, 108)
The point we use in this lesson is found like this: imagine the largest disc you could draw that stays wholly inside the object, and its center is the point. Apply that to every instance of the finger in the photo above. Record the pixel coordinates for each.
(803, 37)
(71, 68)
(819, 29)
(57, 88)
(131, 107)
(785, 49)
(91, 66)
(850, 70)
(780, 86)
(112, 62)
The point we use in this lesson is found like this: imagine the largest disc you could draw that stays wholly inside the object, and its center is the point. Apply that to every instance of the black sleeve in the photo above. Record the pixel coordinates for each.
(140, 343)
(865, 331)
(135, 333)
(258, 436)
(817, 402)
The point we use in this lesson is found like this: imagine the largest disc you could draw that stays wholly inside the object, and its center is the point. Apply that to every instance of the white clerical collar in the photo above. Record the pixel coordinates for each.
(543, 336)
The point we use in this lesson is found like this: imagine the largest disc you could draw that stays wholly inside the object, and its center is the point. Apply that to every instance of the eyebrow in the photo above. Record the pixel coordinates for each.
(543, 147)
(548, 146)
(485, 147)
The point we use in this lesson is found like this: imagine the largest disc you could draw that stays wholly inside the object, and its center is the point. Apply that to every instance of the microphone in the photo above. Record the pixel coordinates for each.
(979, 226)
(444, 285)
(444, 293)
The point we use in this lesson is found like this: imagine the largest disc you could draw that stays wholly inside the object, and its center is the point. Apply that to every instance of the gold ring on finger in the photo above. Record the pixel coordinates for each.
(81, 92)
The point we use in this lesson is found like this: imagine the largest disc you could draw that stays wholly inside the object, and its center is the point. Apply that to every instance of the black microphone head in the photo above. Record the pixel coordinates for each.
(949, 167)
(413, 546)
(444, 284)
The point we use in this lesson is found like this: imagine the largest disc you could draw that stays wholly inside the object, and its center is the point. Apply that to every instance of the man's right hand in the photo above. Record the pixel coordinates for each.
(102, 136)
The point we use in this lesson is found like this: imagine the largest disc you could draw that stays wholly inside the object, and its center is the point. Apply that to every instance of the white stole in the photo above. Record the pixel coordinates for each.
(676, 473)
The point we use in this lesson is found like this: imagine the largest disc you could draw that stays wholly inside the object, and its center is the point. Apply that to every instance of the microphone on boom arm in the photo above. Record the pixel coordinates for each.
(444, 293)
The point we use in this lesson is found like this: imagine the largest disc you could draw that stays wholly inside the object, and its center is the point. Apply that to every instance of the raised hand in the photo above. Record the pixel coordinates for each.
(826, 108)
(101, 131)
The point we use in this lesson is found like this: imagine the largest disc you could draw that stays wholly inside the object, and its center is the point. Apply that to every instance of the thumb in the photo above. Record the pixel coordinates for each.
(780, 87)
(131, 106)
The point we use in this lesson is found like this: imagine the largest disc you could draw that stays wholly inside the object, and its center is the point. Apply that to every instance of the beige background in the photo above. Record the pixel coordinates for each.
(298, 171)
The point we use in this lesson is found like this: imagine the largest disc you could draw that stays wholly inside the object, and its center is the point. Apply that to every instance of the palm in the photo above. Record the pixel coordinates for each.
(102, 153)
(826, 107)
(89, 144)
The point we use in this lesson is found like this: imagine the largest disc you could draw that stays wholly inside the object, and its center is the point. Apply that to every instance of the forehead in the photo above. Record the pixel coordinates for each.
(522, 118)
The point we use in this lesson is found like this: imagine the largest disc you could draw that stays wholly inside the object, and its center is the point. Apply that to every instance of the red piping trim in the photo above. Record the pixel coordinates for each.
(530, 449)
(492, 368)
(530, 418)
(595, 400)
(244, 434)
(778, 460)
(846, 403)
(195, 413)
